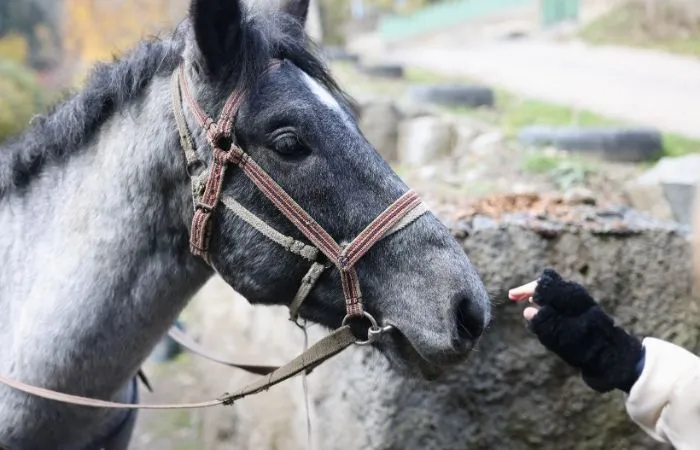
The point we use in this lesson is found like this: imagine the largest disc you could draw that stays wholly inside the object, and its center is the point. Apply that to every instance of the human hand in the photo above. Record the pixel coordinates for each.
(571, 324)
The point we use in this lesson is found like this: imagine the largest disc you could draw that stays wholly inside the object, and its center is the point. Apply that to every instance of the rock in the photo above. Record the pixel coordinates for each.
(668, 189)
(412, 110)
(427, 172)
(649, 198)
(511, 394)
(680, 198)
(379, 121)
(681, 169)
(466, 132)
(579, 196)
(487, 142)
(424, 139)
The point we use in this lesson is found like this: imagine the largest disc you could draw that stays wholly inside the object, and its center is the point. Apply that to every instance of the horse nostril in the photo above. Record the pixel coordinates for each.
(470, 319)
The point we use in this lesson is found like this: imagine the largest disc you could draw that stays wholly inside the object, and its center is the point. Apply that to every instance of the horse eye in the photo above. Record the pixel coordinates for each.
(288, 144)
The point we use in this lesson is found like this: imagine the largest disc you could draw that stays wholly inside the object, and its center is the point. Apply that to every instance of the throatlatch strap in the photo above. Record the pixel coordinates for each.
(185, 136)
(190, 344)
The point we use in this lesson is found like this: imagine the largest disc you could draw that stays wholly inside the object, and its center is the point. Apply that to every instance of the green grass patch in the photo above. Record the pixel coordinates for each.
(565, 170)
(513, 112)
(675, 145)
(422, 76)
(665, 27)
(540, 163)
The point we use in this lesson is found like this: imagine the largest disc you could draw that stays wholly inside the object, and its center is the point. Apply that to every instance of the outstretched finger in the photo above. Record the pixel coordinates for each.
(530, 313)
(523, 292)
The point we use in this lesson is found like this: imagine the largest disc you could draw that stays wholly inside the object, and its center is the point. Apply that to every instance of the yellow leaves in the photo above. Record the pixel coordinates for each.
(94, 30)
(20, 96)
(13, 47)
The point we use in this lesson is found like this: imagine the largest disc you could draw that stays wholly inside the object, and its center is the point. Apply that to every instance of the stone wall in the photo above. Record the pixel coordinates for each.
(511, 394)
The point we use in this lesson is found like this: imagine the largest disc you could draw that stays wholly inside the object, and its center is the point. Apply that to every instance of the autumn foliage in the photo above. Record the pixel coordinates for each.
(95, 30)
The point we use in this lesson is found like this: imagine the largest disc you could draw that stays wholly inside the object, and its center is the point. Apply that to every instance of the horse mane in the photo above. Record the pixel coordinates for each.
(65, 129)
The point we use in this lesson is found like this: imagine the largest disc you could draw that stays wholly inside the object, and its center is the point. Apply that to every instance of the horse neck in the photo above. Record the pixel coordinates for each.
(97, 264)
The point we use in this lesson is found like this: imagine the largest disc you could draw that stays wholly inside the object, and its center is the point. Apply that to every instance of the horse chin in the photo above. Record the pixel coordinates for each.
(407, 360)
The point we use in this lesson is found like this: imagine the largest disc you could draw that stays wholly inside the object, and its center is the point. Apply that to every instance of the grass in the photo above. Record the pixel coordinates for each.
(513, 112)
(675, 145)
(565, 170)
(540, 163)
(667, 28)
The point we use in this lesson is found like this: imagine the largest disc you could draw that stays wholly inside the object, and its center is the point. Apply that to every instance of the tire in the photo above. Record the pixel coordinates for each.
(340, 54)
(383, 70)
(612, 144)
(470, 96)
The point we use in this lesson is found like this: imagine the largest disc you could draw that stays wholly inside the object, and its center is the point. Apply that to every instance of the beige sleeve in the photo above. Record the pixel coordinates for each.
(665, 401)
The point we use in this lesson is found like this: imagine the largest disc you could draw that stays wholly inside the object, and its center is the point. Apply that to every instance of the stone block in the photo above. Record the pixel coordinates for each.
(511, 393)
(425, 139)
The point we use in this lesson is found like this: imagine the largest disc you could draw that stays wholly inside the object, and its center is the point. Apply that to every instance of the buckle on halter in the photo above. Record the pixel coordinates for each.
(374, 332)
(205, 207)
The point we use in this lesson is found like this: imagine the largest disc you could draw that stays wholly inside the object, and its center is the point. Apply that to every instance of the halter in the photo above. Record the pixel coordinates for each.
(207, 196)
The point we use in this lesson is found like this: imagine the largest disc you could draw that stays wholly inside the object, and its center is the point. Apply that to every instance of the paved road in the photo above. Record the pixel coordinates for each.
(642, 87)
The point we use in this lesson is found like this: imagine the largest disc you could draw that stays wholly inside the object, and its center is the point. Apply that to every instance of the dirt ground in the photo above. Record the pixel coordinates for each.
(172, 382)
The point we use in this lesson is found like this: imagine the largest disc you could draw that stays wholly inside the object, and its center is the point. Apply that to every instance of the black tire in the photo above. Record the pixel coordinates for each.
(333, 53)
(382, 70)
(612, 144)
(470, 96)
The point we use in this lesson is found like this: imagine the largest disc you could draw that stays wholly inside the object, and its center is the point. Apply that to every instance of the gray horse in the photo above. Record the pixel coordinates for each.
(96, 207)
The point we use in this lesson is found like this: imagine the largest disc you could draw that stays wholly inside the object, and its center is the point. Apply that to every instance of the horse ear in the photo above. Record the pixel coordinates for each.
(217, 29)
(298, 9)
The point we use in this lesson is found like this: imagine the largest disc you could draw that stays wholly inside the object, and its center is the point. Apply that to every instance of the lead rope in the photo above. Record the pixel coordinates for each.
(318, 353)
(305, 387)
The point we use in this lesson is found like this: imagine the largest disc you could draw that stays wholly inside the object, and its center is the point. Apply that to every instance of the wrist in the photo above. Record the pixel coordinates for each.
(638, 369)
(618, 365)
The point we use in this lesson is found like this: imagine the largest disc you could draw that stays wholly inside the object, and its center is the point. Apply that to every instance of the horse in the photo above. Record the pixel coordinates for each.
(96, 213)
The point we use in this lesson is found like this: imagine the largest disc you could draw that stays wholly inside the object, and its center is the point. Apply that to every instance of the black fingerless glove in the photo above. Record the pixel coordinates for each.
(573, 326)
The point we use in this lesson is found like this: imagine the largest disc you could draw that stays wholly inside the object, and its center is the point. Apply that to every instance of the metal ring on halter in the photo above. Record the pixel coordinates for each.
(195, 168)
(374, 330)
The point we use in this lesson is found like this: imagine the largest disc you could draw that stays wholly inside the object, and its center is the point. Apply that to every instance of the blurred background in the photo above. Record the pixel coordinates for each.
(543, 132)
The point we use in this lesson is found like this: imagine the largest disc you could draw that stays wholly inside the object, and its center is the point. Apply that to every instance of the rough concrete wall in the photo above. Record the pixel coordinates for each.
(511, 394)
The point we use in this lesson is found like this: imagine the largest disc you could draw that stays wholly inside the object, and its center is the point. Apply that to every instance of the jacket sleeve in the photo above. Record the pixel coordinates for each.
(665, 400)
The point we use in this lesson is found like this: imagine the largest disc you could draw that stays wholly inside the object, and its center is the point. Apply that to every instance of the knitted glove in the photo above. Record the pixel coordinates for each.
(573, 326)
